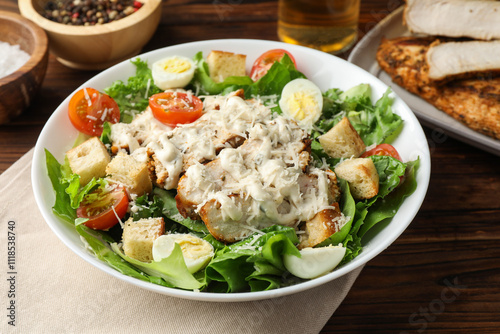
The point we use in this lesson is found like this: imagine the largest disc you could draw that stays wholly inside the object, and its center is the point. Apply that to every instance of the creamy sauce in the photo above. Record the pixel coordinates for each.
(260, 183)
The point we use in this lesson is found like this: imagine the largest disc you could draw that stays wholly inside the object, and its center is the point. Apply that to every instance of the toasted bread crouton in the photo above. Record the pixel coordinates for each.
(223, 64)
(342, 141)
(361, 175)
(322, 226)
(138, 237)
(134, 175)
(89, 160)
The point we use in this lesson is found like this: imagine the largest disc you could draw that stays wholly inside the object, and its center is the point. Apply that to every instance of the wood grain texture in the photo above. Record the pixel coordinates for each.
(441, 276)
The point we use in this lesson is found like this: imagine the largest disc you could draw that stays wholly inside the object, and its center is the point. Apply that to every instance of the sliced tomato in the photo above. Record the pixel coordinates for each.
(383, 149)
(103, 207)
(88, 110)
(173, 108)
(266, 60)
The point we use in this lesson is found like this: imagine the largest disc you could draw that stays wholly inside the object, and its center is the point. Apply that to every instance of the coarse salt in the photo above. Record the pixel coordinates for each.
(11, 58)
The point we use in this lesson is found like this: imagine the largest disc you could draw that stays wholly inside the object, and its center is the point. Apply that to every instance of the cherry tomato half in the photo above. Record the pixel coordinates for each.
(174, 108)
(383, 149)
(88, 110)
(102, 207)
(266, 60)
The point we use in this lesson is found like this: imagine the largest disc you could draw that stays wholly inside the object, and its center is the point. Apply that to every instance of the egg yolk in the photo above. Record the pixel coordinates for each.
(301, 105)
(192, 248)
(176, 66)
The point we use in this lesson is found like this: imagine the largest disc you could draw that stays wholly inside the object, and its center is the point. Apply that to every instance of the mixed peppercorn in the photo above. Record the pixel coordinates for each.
(89, 12)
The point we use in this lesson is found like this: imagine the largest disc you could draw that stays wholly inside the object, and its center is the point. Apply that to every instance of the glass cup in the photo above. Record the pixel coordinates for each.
(327, 25)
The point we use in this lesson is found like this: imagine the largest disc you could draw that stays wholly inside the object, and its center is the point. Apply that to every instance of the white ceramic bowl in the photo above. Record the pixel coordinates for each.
(325, 70)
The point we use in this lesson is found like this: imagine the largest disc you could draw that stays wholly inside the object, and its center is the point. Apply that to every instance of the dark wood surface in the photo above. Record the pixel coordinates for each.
(441, 276)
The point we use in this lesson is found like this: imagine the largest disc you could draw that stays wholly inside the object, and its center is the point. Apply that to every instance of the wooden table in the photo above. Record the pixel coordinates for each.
(441, 276)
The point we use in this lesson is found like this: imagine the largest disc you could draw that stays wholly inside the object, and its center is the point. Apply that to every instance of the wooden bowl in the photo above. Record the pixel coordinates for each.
(18, 89)
(100, 46)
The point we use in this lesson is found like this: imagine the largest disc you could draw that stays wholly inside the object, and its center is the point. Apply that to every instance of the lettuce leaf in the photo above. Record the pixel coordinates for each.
(62, 206)
(386, 208)
(205, 85)
(172, 269)
(374, 122)
(132, 97)
(171, 212)
(104, 253)
(271, 84)
(253, 264)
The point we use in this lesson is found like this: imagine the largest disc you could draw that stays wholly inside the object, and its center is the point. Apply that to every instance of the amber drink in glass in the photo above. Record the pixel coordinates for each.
(327, 25)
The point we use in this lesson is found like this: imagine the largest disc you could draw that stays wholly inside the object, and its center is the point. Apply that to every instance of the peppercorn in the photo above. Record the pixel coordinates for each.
(89, 12)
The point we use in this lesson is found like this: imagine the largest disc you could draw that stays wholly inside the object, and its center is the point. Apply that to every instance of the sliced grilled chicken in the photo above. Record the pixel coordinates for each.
(479, 19)
(243, 215)
(196, 184)
(453, 60)
(474, 102)
(230, 228)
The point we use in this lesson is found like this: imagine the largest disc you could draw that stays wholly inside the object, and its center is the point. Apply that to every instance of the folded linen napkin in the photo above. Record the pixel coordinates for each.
(46, 288)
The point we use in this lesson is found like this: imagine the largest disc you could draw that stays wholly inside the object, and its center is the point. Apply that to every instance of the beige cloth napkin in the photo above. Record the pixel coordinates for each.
(57, 292)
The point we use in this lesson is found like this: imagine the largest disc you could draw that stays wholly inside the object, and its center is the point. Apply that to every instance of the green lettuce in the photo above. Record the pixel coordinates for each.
(374, 122)
(132, 97)
(386, 208)
(271, 84)
(97, 241)
(253, 264)
(171, 269)
(62, 206)
(205, 85)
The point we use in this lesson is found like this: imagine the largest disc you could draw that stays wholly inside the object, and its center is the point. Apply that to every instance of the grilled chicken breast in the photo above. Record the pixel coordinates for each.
(478, 19)
(473, 101)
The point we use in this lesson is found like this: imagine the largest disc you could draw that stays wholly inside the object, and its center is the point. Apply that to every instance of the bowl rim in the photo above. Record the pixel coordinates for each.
(149, 6)
(39, 52)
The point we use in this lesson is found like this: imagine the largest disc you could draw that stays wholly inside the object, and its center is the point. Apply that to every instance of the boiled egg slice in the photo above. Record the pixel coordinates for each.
(314, 261)
(173, 72)
(302, 101)
(197, 252)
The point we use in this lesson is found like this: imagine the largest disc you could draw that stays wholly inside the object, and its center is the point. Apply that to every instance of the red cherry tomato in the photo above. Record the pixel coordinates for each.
(174, 108)
(88, 110)
(383, 149)
(266, 60)
(102, 207)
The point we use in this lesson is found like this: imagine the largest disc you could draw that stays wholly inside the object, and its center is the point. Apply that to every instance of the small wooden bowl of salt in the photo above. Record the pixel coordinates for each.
(23, 63)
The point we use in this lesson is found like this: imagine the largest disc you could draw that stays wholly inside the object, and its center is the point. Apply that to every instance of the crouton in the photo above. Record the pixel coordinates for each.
(138, 237)
(342, 141)
(89, 160)
(322, 226)
(223, 64)
(361, 175)
(134, 175)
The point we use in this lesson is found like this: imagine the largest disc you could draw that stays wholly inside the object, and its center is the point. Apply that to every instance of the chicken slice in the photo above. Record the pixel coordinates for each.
(453, 60)
(479, 19)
